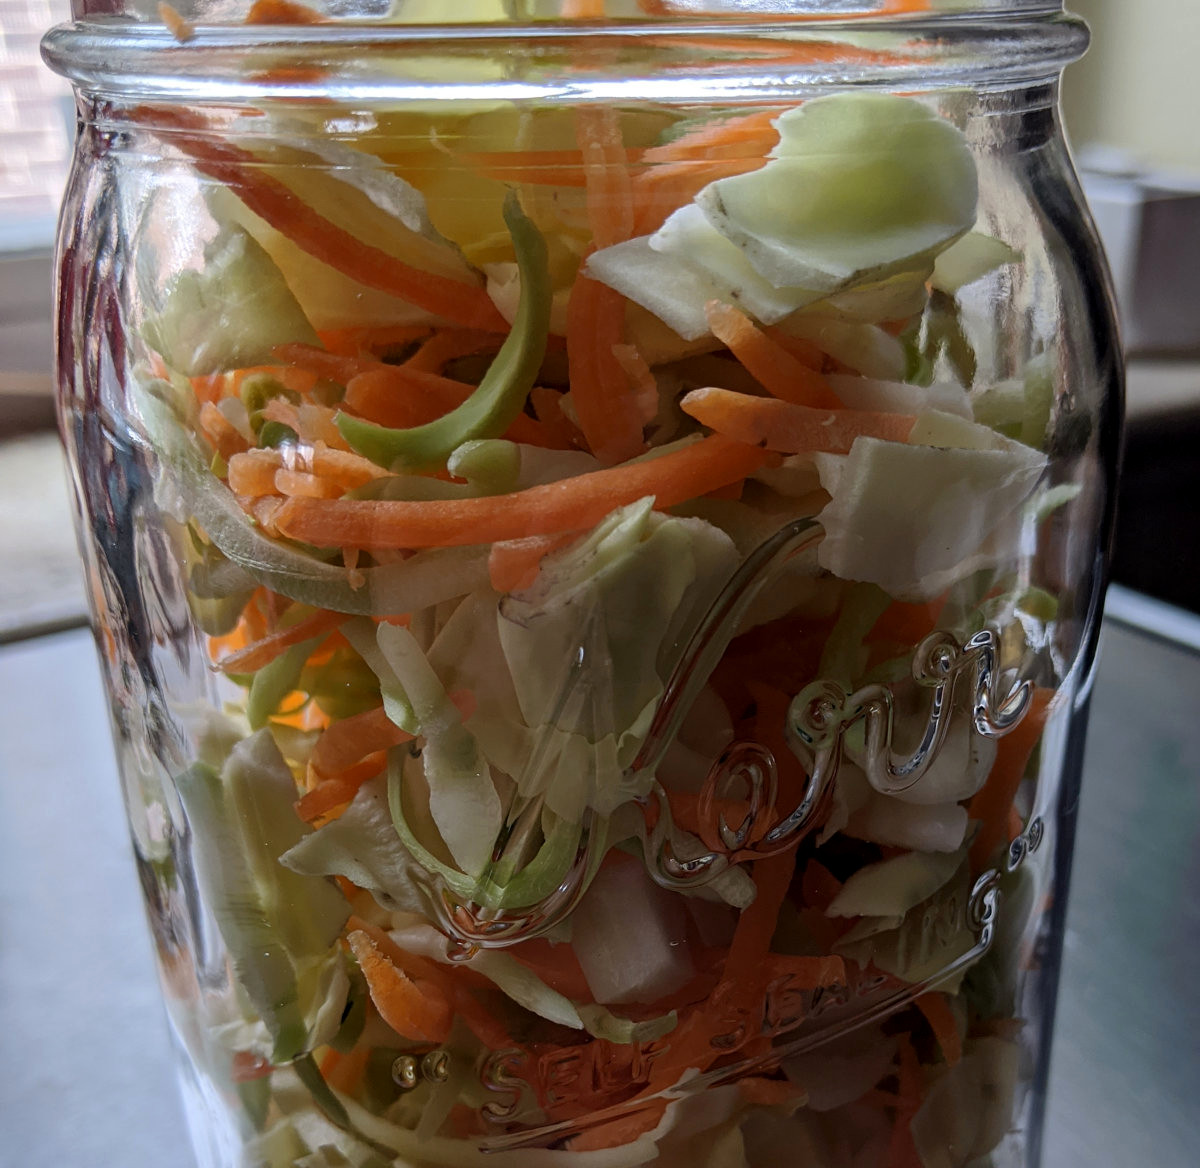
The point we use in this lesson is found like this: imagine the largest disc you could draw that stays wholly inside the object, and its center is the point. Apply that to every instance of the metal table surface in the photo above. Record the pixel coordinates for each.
(86, 1079)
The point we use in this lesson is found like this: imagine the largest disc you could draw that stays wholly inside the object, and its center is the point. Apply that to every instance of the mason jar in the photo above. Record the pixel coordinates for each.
(595, 516)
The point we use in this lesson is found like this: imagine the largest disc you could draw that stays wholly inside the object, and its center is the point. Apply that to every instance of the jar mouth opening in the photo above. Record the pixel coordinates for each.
(692, 59)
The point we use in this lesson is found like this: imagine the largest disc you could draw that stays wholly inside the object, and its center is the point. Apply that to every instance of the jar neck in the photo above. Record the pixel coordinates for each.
(732, 61)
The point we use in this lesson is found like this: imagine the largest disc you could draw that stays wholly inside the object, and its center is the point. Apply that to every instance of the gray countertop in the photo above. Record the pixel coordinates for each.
(87, 1081)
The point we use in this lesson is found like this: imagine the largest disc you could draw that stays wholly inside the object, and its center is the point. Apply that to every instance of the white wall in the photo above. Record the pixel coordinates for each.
(1138, 88)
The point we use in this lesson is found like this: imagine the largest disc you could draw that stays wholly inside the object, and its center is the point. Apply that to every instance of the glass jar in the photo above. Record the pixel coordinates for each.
(596, 521)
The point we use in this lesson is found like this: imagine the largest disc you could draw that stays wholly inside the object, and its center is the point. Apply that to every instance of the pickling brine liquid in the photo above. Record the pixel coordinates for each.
(596, 592)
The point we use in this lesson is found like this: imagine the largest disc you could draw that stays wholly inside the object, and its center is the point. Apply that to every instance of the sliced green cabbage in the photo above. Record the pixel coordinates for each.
(860, 184)
(230, 314)
(968, 1108)
(462, 797)
(969, 259)
(278, 926)
(362, 845)
(586, 675)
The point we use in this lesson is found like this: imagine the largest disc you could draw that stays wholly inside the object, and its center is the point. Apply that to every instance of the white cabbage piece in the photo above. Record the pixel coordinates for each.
(968, 1109)
(630, 935)
(463, 800)
(969, 259)
(859, 345)
(228, 315)
(859, 185)
(362, 845)
(941, 827)
(578, 650)
(890, 888)
(912, 517)
(899, 397)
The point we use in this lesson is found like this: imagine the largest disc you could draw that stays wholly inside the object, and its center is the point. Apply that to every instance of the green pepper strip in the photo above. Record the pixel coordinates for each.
(500, 396)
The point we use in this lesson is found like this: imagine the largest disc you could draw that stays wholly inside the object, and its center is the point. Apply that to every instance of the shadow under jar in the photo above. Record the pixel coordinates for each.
(595, 518)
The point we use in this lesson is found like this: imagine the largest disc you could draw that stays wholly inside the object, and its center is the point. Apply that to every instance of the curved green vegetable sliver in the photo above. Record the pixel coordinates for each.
(536, 880)
(500, 396)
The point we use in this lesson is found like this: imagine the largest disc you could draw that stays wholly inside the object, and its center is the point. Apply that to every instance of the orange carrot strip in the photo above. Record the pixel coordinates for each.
(182, 30)
(623, 1130)
(547, 405)
(344, 1072)
(513, 564)
(992, 802)
(254, 657)
(770, 364)
(752, 939)
(304, 484)
(803, 350)
(354, 342)
(447, 344)
(278, 409)
(328, 796)
(788, 428)
(752, 134)
(343, 467)
(645, 388)
(606, 174)
(769, 1092)
(335, 366)
(413, 1009)
(573, 504)
(604, 400)
(349, 740)
(283, 209)
(221, 432)
(252, 472)
(282, 12)
(937, 1012)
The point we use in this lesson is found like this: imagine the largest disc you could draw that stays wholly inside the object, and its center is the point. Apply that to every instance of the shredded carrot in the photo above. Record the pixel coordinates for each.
(645, 387)
(788, 428)
(936, 1009)
(573, 504)
(263, 652)
(992, 803)
(182, 30)
(272, 200)
(606, 174)
(770, 364)
(336, 366)
(282, 12)
(349, 740)
(801, 349)
(513, 564)
(752, 939)
(447, 344)
(676, 171)
(306, 485)
(547, 406)
(354, 342)
(326, 797)
(252, 472)
(605, 402)
(344, 1072)
(769, 1092)
(221, 432)
(414, 1009)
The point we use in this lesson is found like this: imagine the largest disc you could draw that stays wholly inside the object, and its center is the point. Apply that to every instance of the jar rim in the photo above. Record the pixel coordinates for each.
(704, 60)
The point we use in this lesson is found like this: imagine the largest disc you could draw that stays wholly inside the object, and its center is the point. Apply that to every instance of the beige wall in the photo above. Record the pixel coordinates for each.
(1139, 86)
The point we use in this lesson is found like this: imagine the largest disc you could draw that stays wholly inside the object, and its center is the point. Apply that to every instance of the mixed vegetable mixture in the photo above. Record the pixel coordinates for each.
(464, 447)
